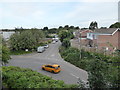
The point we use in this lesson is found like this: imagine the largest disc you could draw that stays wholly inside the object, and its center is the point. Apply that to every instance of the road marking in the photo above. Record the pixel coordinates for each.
(77, 77)
(53, 55)
(74, 75)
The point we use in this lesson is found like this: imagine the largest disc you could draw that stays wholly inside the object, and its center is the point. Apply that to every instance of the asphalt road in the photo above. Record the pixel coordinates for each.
(69, 73)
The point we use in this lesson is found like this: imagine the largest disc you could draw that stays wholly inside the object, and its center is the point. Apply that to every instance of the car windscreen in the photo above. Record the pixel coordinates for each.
(57, 67)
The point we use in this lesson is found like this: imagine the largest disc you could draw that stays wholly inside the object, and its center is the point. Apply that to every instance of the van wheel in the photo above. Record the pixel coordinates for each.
(43, 69)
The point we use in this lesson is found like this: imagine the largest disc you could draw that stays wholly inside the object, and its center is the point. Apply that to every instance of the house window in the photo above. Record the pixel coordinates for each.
(89, 34)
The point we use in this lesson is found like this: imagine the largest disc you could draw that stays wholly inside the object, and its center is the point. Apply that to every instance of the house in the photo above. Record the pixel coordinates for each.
(105, 39)
(82, 33)
(82, 36)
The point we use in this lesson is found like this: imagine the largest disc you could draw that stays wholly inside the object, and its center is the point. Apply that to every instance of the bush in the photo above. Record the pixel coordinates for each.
(16, 77)
(99, 66)
(66, 43)
(20, 52)
(5, 55)
(27, 39)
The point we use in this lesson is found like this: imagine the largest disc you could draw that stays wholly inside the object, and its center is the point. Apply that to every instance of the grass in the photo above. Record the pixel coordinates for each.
(20, 52)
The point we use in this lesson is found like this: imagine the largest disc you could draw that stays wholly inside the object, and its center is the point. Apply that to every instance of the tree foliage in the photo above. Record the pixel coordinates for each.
(115, 25)
(66, 43)
(4, 52)
(5, 55)
(65, 34)
(97, 70)
(27, 39)
(93, 25)
(103, 71)
(45, 28)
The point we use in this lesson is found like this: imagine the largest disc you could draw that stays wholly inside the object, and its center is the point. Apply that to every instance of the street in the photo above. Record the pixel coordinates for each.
(69, 73)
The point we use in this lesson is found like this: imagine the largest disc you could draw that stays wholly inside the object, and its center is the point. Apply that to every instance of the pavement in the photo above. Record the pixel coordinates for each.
(69, 73)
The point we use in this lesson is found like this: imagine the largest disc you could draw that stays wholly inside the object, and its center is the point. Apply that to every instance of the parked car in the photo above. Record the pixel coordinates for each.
(40, 49)
(45, 46)
(53, 42)
(56, 39)
(55, 68)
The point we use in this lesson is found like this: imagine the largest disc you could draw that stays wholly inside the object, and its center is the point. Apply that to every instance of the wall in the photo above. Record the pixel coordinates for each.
(108, 41)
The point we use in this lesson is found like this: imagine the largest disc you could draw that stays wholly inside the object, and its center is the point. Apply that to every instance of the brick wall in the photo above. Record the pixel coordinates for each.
(119, 39)
(110, 41)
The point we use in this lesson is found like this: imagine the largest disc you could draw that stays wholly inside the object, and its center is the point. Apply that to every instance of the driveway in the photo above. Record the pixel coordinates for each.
(69, 73)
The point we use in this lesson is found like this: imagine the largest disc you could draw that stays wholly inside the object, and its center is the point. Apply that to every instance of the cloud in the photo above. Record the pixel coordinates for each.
(104, 13)
(59, 0)
(36, 14)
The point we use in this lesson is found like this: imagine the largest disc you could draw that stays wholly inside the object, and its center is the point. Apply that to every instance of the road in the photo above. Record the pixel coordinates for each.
(69, 73)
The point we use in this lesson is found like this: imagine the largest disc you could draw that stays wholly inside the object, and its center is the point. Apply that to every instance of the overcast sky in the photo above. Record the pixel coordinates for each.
(55, 13)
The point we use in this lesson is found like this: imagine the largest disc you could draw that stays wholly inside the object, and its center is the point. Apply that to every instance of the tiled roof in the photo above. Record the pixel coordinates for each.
(106, 31)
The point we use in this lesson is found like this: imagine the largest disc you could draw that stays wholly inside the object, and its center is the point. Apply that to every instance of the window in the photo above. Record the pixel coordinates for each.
(57, 67)
(89, 35)
(48, 66)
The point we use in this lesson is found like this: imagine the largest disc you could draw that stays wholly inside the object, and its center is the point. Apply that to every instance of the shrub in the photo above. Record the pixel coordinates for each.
(16, 77)
(66, 43)
(5, 55)
(97, 65)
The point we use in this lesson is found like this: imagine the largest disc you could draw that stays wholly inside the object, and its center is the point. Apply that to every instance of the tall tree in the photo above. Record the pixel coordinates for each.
(45, 28)
(115, 25)
(93, 25)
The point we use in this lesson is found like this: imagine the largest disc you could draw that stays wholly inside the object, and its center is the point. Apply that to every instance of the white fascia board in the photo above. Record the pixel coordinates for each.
(115, 31)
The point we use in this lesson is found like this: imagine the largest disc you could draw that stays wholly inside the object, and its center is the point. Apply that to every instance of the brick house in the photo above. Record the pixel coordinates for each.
(82, 35)
(105, 39)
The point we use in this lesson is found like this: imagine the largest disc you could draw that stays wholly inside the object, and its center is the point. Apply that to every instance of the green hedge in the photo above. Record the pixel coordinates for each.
(19, 52)
(16, 77)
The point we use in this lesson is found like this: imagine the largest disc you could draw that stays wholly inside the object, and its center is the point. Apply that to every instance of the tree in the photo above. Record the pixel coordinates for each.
(60, 27)
(52, 30)
(66, 27)
(97, 71)
(5, 55)
(77, 27)
(66, 43)
(4, 51)
(71, 27)
(65, 34)
(45, 28)
(115, 25)
(25, 40)
(38, 34)
(0, 47)
(93, 25)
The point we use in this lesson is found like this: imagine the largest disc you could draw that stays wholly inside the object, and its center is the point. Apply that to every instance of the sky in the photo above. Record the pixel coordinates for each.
(55, 13)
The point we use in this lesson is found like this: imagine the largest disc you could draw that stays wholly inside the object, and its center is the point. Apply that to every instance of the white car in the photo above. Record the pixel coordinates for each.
(46, 46)
(40, 49)
(54, 42)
